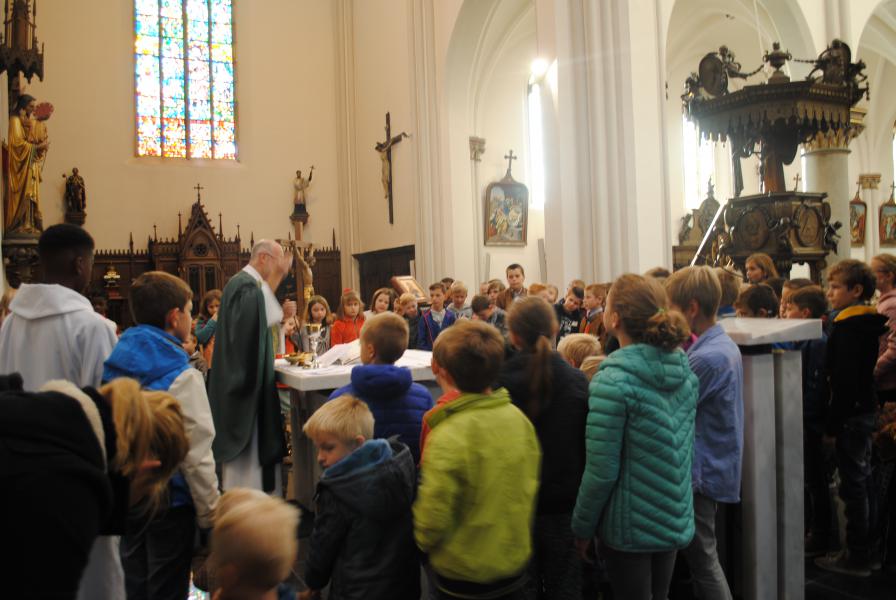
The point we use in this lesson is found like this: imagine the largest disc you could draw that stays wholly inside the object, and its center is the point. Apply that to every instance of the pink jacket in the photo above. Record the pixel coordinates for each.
(885, 370)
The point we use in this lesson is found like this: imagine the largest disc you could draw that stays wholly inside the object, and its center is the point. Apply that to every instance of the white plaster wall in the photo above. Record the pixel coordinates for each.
(285, 111)
(502, 118)
(383, 84)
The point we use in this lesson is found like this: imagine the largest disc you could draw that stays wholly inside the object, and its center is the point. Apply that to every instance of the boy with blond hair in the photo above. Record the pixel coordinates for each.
(719, 427)
(362, 543)
(406, 307)
(458, 294)
(254, 545)
(474, 509)
(397, 403)
(576, 347)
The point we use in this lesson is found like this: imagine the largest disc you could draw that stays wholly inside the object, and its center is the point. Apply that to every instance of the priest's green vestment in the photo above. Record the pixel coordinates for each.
(241, 390)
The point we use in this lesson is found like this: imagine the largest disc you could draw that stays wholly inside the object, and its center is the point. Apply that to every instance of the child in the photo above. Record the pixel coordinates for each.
(458, 306)
(254, 546)
(760, 267)
(197, 361)
(569, 312)
(515, 289)
(381, 302)
(156, 554)
(575, 283)
(591, 364)
(851, 357)
(538, 289)
(486, 311)
(434, 320)
(553, 293)
(576, 347)
(635, 493)
(396, 402)
(757, 302)
(809, 302)
(407, 308)
(661, 274)
(349, 320)
(592, 320)
(496, 287)
(718, 448)
(788, 287)
(884, 268)
(730, 283)
(554, 395)
(447, 282)
(206, 323)
(474, 508)
(362, 543)
(317, 311)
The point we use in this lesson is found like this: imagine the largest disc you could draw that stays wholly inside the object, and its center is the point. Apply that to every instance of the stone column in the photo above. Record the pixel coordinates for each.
(826, 169)
(477, 148)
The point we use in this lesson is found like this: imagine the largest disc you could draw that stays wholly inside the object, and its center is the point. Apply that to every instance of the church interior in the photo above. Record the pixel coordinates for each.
(393, 143)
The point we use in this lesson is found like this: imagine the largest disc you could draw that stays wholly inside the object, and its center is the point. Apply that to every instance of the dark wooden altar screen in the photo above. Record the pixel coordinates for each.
(378, 267)
(205, 259)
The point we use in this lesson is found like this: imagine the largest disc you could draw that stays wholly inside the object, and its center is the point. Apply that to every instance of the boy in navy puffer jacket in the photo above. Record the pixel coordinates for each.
(397, 403)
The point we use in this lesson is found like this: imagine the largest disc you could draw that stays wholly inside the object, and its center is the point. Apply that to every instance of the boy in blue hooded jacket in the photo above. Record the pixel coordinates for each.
(363, 539)
(156, 555)
(397, 403)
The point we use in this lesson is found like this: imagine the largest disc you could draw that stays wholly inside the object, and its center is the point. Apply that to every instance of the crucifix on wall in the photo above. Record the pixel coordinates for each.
(385, 150)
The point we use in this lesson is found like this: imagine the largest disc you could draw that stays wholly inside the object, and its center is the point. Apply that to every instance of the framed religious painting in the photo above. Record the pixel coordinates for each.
(406, 284)
(858, 214)
(888, 223)
(506, 213)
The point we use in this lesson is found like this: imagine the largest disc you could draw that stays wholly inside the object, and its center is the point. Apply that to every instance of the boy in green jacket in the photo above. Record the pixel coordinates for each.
(474, 508)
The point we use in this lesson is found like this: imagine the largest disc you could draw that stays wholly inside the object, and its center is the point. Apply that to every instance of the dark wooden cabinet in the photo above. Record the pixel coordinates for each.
(378, 267)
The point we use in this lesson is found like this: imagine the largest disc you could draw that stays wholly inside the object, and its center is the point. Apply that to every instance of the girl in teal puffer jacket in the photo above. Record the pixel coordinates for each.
(636, 490)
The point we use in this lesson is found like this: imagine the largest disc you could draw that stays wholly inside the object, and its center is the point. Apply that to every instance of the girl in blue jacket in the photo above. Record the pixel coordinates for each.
(636, 490)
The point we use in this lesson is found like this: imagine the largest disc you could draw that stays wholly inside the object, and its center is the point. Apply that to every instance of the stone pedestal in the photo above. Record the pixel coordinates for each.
(20, 259)
(772, 480)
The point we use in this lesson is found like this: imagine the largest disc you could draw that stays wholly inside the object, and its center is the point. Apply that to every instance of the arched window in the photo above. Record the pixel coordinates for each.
(542, 78)
(699, 162)
(184, 78)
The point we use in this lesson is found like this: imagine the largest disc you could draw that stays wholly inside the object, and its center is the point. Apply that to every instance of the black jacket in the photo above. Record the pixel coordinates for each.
(852, 352)
(560, 425)
(57, 495)
(363, 539)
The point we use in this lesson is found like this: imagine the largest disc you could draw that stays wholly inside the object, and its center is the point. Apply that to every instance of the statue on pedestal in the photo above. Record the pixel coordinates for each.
(27, 144)
(75, 198)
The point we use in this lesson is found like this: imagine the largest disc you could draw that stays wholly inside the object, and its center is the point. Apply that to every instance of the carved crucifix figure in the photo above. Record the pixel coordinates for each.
(385, 150)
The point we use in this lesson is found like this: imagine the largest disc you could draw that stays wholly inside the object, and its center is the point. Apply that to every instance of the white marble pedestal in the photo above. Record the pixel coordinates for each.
(772, 480)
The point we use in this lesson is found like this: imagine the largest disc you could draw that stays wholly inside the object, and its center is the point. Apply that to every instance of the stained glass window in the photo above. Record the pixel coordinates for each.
(184, 72)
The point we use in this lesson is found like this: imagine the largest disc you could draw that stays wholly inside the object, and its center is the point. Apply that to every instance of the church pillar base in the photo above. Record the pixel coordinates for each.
(19, 259)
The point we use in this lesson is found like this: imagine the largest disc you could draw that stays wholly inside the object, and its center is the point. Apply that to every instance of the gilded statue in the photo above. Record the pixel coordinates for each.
(27, 143)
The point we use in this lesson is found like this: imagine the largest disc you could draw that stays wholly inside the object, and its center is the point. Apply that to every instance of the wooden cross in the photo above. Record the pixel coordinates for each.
(796, 182)
(510, 158)
(385, 150)
(198, 189)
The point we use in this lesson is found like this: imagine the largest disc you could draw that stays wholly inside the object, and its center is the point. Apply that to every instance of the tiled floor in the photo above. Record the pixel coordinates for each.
(821, 585)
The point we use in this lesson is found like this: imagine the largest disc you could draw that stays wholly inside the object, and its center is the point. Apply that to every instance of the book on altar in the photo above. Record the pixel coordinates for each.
(342, 354)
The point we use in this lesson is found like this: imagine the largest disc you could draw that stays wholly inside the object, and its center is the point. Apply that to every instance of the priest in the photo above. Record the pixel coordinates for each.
(249, 441)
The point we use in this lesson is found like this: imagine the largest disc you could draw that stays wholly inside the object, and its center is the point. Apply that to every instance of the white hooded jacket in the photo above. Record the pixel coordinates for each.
(54, 333)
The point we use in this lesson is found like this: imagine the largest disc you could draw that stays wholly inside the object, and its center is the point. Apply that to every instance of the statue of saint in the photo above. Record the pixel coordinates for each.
(301, 184)
(75, 194)
(28, 143)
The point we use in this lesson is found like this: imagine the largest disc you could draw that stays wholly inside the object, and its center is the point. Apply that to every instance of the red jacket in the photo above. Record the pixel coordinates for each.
(346, 330)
